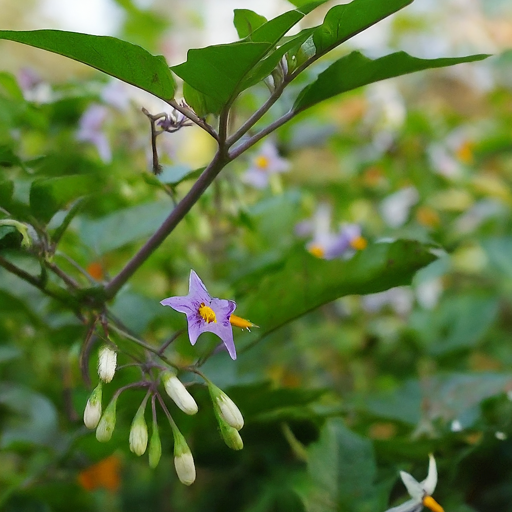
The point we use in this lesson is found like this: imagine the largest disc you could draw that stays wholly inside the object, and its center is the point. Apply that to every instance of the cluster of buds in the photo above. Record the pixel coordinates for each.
(227, 413)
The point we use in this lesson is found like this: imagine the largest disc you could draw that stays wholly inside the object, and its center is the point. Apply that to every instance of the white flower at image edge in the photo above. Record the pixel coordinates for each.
(420, 492)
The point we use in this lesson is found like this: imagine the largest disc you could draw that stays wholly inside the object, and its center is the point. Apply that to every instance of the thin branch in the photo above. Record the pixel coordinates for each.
(80, 269)
(187, 112)
(184, 206)
(258, 114)
(60, 273)
(161, 350)
(34, 281)
(236, 152)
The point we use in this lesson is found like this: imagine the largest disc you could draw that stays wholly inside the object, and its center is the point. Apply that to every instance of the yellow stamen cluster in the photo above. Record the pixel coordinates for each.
(207, 313)
(262, 163)
(317, 251)
(432, 504)
(359, 243)
(240, 322)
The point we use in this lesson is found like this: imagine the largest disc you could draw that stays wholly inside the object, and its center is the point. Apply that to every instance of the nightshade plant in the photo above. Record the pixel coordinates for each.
(211, 81)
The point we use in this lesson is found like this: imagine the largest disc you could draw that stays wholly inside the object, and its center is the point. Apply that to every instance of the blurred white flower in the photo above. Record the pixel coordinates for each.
(395, 208)
(400, 300)
(429, 292)
(265, 163)
(420, 492)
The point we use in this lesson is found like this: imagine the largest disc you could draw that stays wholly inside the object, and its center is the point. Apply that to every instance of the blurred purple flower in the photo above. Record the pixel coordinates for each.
(335, 245)
(265, 163)
(204, 313)
(90, 130)
(326, 244)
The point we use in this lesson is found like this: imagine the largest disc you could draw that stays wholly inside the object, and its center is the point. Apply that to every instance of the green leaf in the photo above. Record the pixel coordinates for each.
(247, 21)
(6, 191)
(49, 195)
(345, 21)
(355, 70)
(123, 226)
(306, 282)
(267, 65)
(450, 396)
(342, 469)
(117, 58)
(217, 72)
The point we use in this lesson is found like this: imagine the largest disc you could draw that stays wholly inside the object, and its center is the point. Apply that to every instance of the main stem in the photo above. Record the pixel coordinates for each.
(204, 181)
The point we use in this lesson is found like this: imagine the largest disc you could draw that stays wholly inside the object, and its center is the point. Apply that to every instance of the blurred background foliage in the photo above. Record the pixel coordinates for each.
(379, 380)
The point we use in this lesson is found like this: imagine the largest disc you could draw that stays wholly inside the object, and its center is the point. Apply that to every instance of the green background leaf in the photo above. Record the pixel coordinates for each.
(355, 70)
(123, 60)
(306, 282)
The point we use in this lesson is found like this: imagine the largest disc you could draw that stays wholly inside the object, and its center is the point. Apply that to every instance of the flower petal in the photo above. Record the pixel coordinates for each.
(196, 326)
(429, 484)
(408, 506)
(414, 488)
(180, 304)
(196, 289)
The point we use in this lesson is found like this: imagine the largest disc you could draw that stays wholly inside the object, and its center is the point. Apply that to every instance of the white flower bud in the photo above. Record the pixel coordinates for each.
(92, 413)
(185, 468)
(107, 363)
(225, 407)
(183, 460)
(155, 447)
(107, 423)
(178, 392)
(139, 432)
(229, 411)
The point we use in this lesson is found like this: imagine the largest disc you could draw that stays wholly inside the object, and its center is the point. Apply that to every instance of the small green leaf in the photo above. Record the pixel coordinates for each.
(345, 21)
(246, 22)
(342, 470)
(49, 195)
(117, 58)
(217, 72)
(306, 282)
(355, 70)
(175, 174)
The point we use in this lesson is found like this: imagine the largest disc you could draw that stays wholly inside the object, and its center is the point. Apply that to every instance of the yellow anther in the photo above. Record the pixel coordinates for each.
(465, 152)
(262, 163)
(317, 251)
(240, 322)
(432, 504)
(207, 313)
(359, 243)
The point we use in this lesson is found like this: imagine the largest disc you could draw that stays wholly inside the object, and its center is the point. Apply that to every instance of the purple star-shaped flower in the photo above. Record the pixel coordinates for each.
(204, 313)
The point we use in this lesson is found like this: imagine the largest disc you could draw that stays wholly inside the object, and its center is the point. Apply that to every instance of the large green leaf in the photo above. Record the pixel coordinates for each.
(118, 58)
(355, 70)
(49, 195)
(345, 21)
(342, 470)
(217, 72)
(306, 282)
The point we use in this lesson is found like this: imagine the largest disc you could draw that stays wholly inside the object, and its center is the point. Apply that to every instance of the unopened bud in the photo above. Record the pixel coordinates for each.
(139, 432)
(107, 423)
(226, 408)
(231, 436)
(92, 413)
(107, 363)
(178, 392)
(155, 447)
(183, 460)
